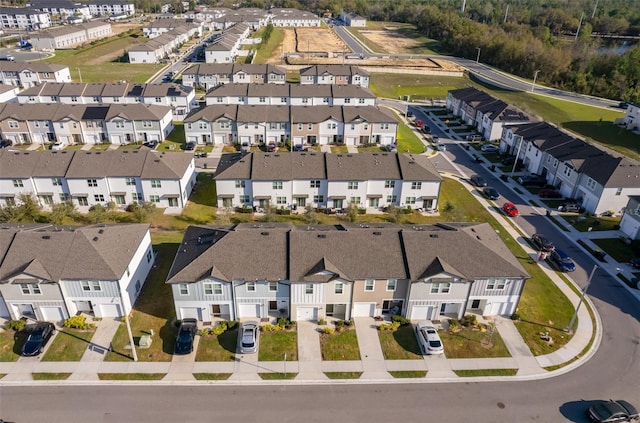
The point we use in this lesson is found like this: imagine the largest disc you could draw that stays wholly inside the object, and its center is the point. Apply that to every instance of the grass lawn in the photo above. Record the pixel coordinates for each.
(154, 308)
(131, 376)
(175, 141)
(618, 250)
(469, 343)
(343, 375)
(400, 344)
(602, 223)
(212, 376)
(69, 345)
(218, 347)
(408, 142)
(403, 374)
(340, 346)
(391, 85)
(273, 346)
(277, 376)
(94, 62)
(486, 372)
(265, 50)
(50, 376)
(338, 149)
(9, 347)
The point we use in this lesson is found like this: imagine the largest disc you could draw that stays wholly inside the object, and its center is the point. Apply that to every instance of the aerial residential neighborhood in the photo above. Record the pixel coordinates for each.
(373, 211)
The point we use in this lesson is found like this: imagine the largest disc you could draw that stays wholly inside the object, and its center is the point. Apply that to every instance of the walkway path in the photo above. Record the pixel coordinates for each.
(370, 351)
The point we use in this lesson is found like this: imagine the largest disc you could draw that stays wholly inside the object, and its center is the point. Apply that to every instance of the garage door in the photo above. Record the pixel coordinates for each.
(249, 310)
(421, 312)
(190, 313)
(245, 138)
(52, 314)
(218, 139)
(307, 313)
(110, 310)
(363, 309)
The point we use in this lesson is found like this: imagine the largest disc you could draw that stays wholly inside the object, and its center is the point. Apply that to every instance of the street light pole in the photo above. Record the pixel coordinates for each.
(126, 320)
(535, 76)
(584, 292)
(478, 56)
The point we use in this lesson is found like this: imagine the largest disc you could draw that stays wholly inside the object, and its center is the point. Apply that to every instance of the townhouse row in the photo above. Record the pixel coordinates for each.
(70, 36)
(29, 74)
(181, 99)
(372, 181)
(164, 44)
(601, 181)
(84, 123)
(51, 273)
(88, 178)
(220, 18)
(208, 76)
(301, 125)
(291, 95)
(312, 272)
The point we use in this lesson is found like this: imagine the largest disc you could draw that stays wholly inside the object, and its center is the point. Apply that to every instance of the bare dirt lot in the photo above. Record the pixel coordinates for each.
(118, 28)
(391, 41)
(318, 40)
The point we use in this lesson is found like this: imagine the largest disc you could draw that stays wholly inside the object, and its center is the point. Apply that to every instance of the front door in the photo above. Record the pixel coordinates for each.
(337, 204)
(301, 202)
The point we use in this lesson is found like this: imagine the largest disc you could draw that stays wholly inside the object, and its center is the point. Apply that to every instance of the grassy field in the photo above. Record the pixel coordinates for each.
(95, 62)
(340, 346)
(412, 374)
(391, 85)
(50, 376)
(618, 250)
(273, 346)
(8, 350)
(154, 308)
(408, 142)
(277, 376)
(343, 375)
(218, 347)
(265, 50)
(212, 376)
(469, 343)
(400, 344)
(69, 345)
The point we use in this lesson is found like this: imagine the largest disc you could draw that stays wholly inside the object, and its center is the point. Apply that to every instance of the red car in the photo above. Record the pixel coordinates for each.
(549, 193)
(510, 209)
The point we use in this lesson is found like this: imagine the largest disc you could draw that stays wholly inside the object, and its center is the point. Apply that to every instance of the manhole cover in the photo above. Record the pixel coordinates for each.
(501, 405)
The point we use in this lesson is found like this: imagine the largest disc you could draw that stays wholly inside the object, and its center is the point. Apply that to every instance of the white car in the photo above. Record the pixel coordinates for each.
(249, 337)
(57, 146)
(441, 146)
(489, 148)
(428, 338)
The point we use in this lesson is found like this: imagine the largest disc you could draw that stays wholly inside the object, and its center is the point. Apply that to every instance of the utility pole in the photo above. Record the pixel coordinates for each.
(584, 292)
(506, 13)
(594, 10)
(579, 26)
(535, 75)
(478, 56)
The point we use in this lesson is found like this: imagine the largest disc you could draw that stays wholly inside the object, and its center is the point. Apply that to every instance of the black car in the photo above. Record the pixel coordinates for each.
(478, 181)
(190, 146)
(5, 143)
(37, 339)
(571, 208)
(491, 193)
(613, 411)
(542, 243)
(509, 160)
(186, 335)
(533, 181)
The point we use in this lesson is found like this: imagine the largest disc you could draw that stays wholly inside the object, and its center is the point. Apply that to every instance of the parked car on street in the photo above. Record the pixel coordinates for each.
(613, 411)
(562, 261)
(491, 193)
(37, 339)
(571, 208)
(249, 337)
(474, 137)
(428, 338)
(186, 336)
(542, 243)
(489, 148)
(635, 263)
(549, 193)
(478, 181)
(58, 146)
(510, 209)
(532, 181)
(440, 146)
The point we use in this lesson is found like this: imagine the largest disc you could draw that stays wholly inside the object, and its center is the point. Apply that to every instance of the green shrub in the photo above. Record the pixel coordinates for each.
(403, 321)
(16, 325)
(231, 324)
(78, 322)
(204, 332)
(454, 325)
(271, 328)
(322, 322)
(220, 328)
(389, 326)
(515, 316)
(327, 330)
(285, 323)
(469, 320)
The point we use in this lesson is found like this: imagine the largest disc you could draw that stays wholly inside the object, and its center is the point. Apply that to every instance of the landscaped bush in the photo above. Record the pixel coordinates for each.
(402, 321)
(342, 325)
(327, 330)
(454, 325)
(285, 323)
(220, 328)
(321, 321)
(16, 325)
(231, 324)
(389, 326)
(469, 320)
(515, 316)
(78, 322)
(271, 328)
(204, 332)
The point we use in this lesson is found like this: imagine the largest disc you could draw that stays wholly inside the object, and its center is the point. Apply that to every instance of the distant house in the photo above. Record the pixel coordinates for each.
(25, 18)
(211, 75)
(311, 272)
(51, 273)
(28, 74)
(334, 74)
(631, 119)
(352, 19)
(70, 36)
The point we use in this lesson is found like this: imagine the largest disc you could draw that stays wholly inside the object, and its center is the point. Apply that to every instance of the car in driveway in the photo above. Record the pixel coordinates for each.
(58, 146)
(613, 411)
(491, 193)
(562, 261)
(549, 193)
(510, 209)
(391, 148)
(249, 337)
(428, 338)
(478, 181)
(542, 243)
(186, 336)
(571, 208)
(37, 339)
(190, 146)
(5, 143)
(532, 181)
(489, 148)
(244, 147)
(271, 147)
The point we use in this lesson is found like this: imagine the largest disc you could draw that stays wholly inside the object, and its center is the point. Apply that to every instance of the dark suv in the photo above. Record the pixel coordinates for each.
(542, 243)
(571, 208)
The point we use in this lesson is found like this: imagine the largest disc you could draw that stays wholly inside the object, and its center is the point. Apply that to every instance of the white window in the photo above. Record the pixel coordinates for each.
(618, 191)
(591, 184)
(281, 200)
(368, 285)
(251, 286)
(391, 284)
(497, 284)
(156, 183)
(567, 170)
(410, 200)
(389, 184)
(239, 184)
(308, 288)
(315, 184)
(440, 287)
(17, 183)
(416, 185)
(184, 289)
(318, 198)
(130, 181)
(217, 288)
(339, 288)
(208, 288)
(149, 256)
(352, 185)
(154, 198)
(391, 199)
(273, 286)
(277, 184)
(92, 182)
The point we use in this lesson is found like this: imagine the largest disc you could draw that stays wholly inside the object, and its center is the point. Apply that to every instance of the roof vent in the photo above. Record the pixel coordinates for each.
(433, 235)
(322, 235)
(46, 236)
(264, 233)
(101, 231)
(377, 233)
(95, 238)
